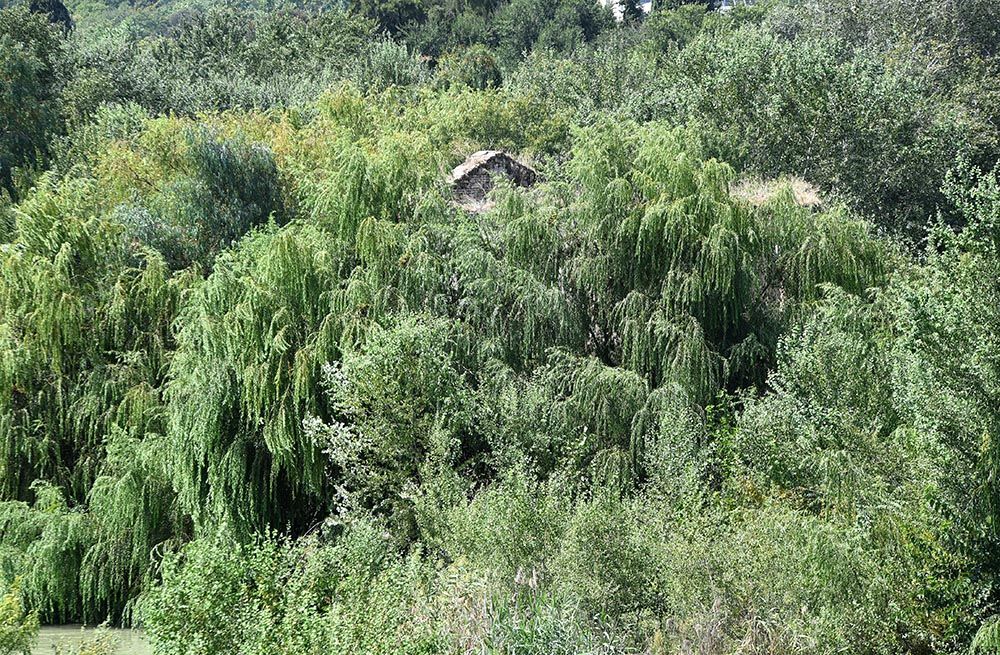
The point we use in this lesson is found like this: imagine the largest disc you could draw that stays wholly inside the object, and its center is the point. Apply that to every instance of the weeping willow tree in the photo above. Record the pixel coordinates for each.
(85, 338)
(86, 334)
(683, 281)
(253, 339)
(638, 254)
(632, 277)
(632, 283)
(246, 372)
(86, 311)
(86, 331)
(366, 336)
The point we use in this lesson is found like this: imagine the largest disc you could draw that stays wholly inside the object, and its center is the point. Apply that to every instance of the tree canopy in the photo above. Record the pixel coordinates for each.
(723, 380)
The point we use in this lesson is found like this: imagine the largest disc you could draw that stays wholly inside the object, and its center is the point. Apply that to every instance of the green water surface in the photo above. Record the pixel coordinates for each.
(67, 637)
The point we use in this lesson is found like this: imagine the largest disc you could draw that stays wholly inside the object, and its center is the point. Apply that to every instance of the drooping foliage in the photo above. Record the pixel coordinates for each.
(246, 373)
(266, 388)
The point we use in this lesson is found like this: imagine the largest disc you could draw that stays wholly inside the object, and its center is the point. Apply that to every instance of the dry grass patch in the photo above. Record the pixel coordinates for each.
(759, 192)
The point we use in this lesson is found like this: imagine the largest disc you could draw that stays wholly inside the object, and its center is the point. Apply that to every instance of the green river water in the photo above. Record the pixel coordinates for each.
(65, 637)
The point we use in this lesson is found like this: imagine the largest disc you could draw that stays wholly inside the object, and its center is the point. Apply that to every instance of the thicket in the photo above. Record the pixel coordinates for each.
(723, 381)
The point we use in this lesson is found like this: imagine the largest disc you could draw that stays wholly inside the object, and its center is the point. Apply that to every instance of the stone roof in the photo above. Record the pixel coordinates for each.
(472, 180)
(485, 157)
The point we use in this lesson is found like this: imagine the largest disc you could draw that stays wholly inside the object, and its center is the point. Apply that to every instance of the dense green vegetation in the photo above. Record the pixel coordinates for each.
(725, 380)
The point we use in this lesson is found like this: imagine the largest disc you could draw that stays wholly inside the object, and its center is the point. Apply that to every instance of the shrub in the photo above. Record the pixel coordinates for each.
(384, 64)
(230, 187)
(774, 106)
(18, 627)
(345, 595)
(30, 51)
(474, 67)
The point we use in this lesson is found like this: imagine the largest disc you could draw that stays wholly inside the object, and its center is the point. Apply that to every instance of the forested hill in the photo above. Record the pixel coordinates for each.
(720, 377)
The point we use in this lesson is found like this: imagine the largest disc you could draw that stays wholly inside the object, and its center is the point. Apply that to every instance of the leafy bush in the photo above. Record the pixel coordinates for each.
(101, 642)
(384, 64)
(475, 67)
(797, 106)
(230, 187)
(18, 628)
(354, 595)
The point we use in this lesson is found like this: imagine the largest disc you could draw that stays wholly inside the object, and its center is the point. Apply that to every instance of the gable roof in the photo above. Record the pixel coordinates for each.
(521, 174)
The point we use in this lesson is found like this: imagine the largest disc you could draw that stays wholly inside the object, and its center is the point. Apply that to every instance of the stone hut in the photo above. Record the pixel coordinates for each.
(472, 181)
